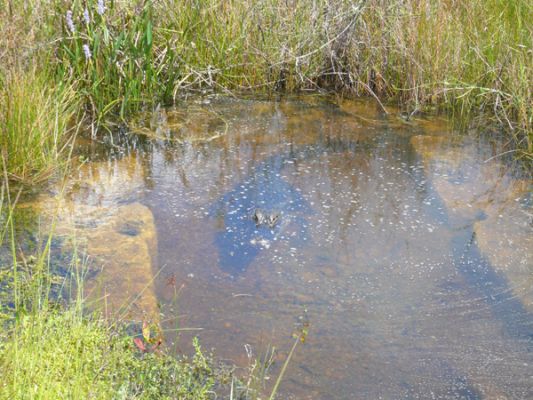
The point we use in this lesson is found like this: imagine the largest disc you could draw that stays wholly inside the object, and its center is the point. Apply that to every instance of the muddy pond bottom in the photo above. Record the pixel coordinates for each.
(403, 246)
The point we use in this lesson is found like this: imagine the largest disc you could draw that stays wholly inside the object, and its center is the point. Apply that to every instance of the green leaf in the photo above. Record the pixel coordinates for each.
(149, 34)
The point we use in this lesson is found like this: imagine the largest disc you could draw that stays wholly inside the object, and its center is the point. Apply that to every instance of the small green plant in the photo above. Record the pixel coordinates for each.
(63, 354)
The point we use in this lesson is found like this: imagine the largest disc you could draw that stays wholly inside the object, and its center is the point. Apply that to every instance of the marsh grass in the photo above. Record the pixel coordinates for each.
(468, 58)
(34, 123)
(109, 53)
(471, 58)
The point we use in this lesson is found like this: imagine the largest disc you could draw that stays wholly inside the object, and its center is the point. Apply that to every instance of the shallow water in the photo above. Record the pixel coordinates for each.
(405, 247)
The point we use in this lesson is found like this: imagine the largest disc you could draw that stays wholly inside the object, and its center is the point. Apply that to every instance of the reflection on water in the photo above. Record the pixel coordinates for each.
(257, 213)
(408, 252)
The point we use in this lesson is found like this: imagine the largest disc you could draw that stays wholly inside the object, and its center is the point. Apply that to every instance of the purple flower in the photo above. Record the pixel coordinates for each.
(86, 51)
(100, 7)
(86, 16)
(70, 22)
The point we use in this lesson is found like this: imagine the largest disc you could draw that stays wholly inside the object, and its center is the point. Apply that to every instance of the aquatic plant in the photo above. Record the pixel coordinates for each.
(299, 338)
(86, 51)
(118, 41)
(70, 22)
(86, 16)
(414, 53)
(100, 7)
(408, 52)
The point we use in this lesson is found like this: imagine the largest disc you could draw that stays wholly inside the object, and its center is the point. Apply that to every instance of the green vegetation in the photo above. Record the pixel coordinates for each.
(64, 62)
(34, 117)
(473, 58)
(57, 354)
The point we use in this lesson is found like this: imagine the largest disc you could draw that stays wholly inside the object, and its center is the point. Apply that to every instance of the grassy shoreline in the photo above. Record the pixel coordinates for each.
(469, 58)
(55, 345)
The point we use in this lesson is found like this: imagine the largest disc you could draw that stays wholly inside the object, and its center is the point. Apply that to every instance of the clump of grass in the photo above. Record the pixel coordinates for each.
(34, 123)
(57, 354)
(470, 57)
(260, 46)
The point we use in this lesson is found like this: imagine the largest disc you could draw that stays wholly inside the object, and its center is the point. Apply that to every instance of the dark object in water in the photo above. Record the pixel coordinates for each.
(256, 213)
(269, 219)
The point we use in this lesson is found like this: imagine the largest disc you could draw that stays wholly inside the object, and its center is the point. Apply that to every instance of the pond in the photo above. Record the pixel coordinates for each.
(403, 246)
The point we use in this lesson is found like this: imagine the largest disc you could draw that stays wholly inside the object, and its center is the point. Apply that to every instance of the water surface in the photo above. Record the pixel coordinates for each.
(405, 246)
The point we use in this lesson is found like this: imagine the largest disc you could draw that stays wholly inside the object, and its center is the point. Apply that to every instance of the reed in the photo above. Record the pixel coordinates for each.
(34, 123)
(469, 58)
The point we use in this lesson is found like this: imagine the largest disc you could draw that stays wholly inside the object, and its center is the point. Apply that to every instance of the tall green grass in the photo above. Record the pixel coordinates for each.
(110, 53)
(34, 123)
(411, 51)
(470, 58)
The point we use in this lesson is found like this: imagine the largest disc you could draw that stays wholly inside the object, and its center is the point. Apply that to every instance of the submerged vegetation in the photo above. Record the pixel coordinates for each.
(473, 58)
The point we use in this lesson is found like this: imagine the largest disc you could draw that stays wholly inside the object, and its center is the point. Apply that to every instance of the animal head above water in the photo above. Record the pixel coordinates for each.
(265, 218)
(256, 214)
(264, 208)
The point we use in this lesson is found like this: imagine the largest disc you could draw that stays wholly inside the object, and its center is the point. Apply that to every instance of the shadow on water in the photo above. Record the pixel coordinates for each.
(491, 286)
(482, 279)
(241, 237)
(403, 299)
(266, 189)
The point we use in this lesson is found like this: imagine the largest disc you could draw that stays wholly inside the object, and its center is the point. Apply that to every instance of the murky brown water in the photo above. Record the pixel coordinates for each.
(406, 247)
